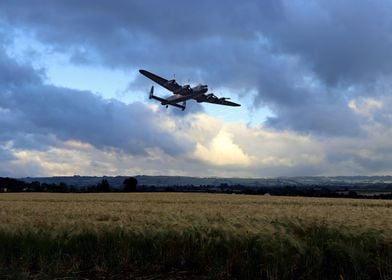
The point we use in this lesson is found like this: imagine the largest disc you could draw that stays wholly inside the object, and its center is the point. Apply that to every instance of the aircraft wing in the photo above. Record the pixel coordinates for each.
(211, 98)
(171, 85)
(167, 102)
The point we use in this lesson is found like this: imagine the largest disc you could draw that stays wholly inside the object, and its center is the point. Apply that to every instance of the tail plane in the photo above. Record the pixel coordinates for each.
(165, 101)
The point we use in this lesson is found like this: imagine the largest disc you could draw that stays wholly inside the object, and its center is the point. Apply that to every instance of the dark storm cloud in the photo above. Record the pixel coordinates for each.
(12, 74)
(339, 39)
(323, 118)
(266, 46)
(35, 116)
(343, 41)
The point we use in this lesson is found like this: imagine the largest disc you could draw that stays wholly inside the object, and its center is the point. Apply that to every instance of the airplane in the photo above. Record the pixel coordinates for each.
(183, 93)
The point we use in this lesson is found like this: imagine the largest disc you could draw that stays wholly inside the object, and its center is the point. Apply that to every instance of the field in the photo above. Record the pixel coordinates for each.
(182, 236)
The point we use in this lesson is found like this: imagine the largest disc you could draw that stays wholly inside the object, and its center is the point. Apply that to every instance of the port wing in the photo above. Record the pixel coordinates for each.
(170, 85)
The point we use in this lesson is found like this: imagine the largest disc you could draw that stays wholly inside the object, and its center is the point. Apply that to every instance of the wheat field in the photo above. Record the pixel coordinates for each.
(151, 211)
(213, 235)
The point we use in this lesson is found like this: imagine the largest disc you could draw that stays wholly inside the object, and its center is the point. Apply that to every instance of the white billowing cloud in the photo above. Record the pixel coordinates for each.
(214, 145)
(219, 149)
(75, 157)
(70, 159)
(222, 151)
(236, 146)
(272, 148)
(365, 106)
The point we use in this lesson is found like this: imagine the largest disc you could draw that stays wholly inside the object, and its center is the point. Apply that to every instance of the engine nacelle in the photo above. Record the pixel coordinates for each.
(171, 82)
(183, 90)
(210, 96)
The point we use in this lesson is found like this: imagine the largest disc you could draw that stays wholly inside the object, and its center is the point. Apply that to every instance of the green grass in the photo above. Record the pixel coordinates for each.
(295, 251)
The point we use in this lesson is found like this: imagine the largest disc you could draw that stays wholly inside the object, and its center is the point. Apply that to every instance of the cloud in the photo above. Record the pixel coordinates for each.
(322, 67)
(35, 115)
(279, 49)
(230, 149)
(341, 41)
(222, 151)
(365, 106)
(5, 154)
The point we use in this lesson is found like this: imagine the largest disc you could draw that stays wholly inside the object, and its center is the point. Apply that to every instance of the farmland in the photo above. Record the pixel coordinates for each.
(193, 235)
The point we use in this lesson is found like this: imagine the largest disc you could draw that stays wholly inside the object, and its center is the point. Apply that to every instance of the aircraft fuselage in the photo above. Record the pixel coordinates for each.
(185, 93)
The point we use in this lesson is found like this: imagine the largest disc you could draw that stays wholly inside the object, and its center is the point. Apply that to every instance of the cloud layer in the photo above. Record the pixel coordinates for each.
(36, 116)
(322, 67)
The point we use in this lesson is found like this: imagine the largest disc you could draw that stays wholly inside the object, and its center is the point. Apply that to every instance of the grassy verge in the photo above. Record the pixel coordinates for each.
(292, 251)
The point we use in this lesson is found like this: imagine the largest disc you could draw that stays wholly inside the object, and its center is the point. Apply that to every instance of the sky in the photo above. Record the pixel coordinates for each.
(314, 79)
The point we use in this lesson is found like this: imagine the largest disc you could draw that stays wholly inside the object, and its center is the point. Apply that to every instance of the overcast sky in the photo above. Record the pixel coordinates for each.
(314, 79)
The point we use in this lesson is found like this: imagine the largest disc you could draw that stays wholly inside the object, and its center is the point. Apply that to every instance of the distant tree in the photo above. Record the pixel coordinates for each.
(130, 184)
(92, 188)
(103, 186)
(63, 187)
(352, 194)
(73, 189)
(45, 187)
(169, 189)
(35, 186)
(12, 185)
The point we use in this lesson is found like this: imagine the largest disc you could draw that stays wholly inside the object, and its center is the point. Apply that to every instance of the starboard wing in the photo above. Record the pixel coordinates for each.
(211, 98)
(171, 85)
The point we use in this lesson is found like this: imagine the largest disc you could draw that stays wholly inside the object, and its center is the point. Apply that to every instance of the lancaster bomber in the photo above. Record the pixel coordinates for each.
(183, 93)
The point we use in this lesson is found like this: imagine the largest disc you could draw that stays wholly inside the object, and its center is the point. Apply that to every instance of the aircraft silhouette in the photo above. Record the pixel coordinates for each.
(183, 93)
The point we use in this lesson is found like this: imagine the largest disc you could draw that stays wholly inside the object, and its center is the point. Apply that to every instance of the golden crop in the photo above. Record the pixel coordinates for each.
(238, 214)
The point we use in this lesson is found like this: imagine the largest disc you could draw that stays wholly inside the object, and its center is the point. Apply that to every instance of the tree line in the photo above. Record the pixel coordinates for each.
(14, 185)
(131, 185)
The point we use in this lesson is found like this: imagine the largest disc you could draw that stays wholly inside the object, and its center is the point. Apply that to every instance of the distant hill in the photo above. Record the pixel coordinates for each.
(173, 181)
